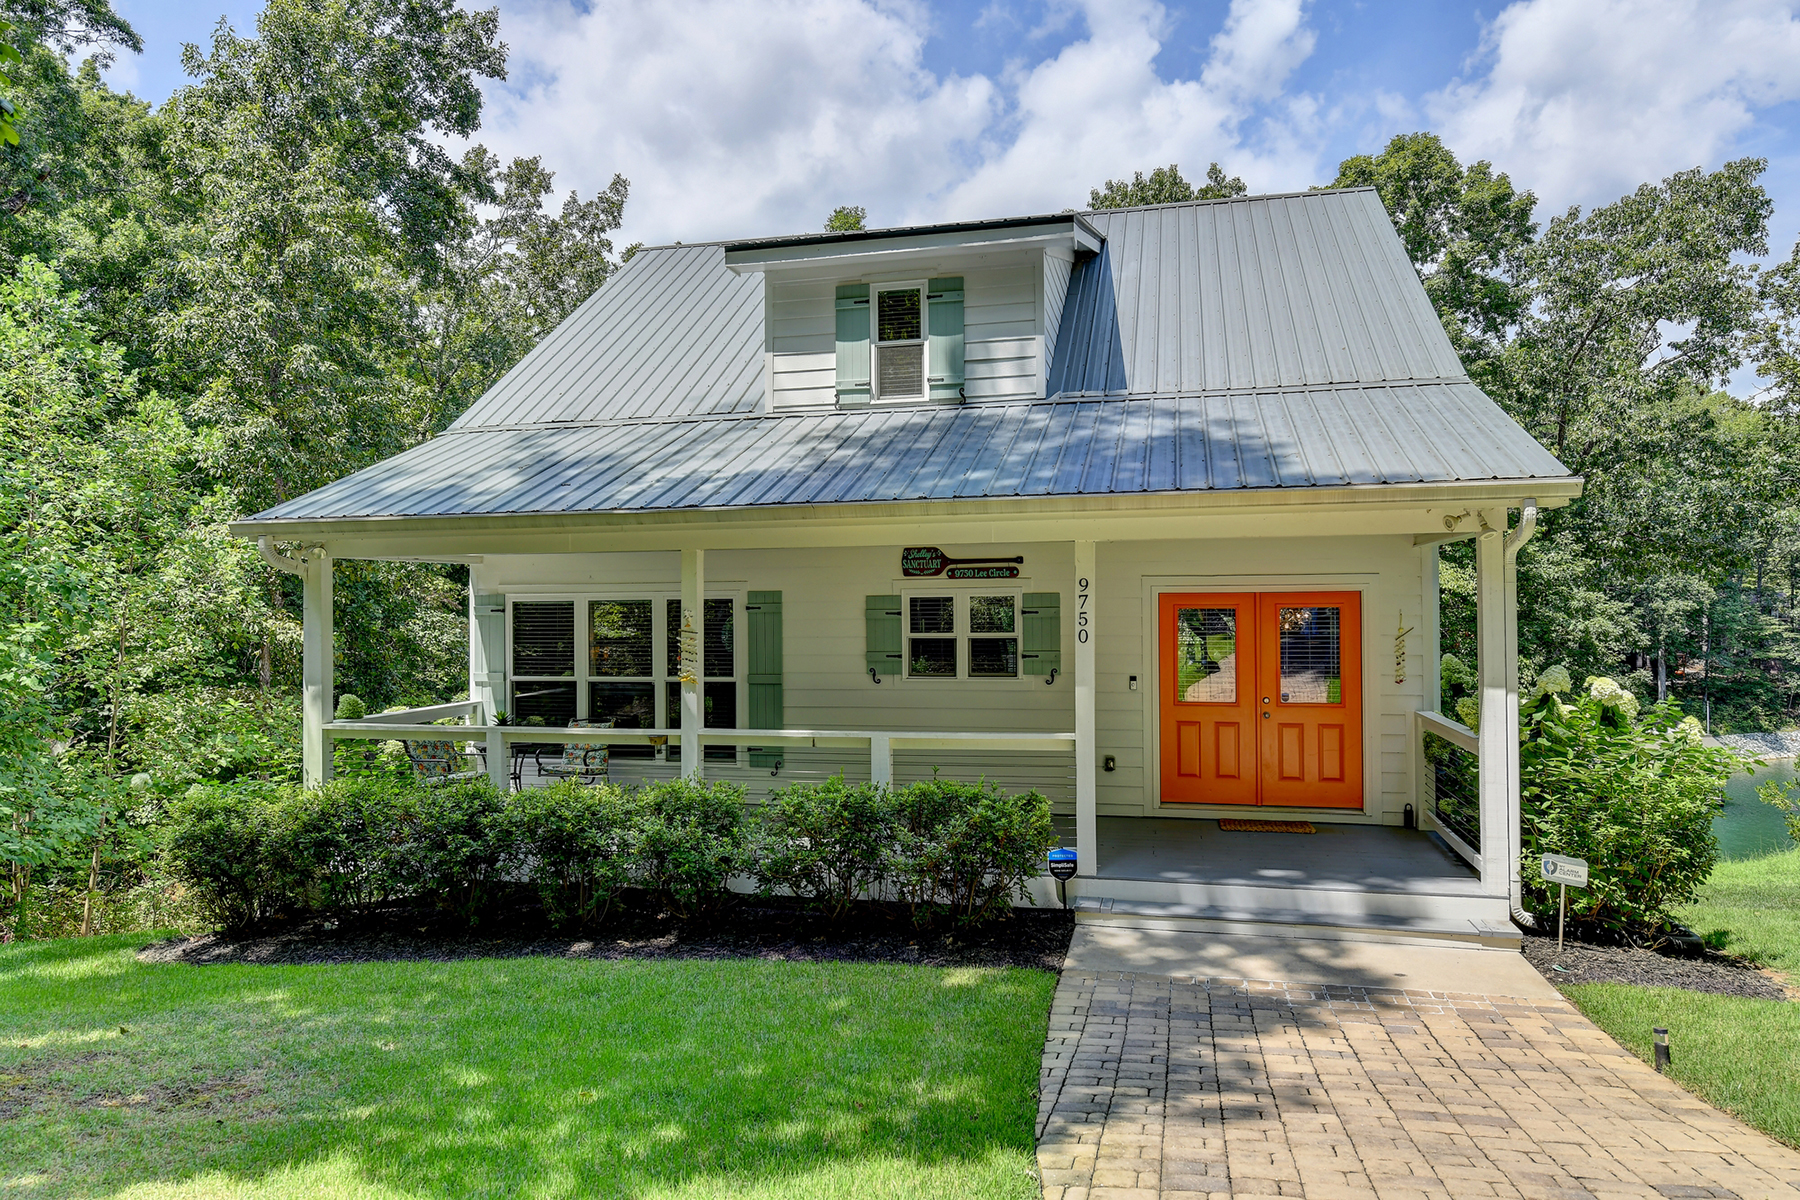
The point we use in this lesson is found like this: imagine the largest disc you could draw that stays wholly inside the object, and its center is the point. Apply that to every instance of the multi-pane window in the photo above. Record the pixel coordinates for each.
(596, 659)
(900, 343)
(967, 636)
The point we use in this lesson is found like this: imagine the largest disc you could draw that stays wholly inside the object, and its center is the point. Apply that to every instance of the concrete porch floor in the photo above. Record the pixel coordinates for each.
(1341, 882)
(1352, 857)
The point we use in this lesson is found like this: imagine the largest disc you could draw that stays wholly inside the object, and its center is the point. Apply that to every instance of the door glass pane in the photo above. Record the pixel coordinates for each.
(902, 371)
(933, 656)
(544, 637)
(900, 319)
(932, 614)
(994, 657)
(991, 614)
(619, 637)
(1310, 646)
(627, 706)
(1206, 663)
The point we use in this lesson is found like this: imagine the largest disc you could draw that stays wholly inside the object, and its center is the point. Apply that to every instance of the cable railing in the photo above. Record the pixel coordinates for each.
(760, 759)
(1452, 783)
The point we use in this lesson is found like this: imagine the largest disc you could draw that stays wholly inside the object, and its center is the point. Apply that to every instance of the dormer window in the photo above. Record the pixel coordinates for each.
(909, 349)
(900, 343)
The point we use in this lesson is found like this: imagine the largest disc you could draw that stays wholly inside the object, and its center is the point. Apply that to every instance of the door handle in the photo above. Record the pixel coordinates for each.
(1265, 716)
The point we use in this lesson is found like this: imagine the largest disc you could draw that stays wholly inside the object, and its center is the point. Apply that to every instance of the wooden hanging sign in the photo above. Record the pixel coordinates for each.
(924, 562)
(982, 573)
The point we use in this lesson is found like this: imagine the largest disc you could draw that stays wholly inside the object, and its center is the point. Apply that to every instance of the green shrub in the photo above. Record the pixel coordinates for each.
(457, 849)
(350, 836)
(830, 842)
(229, 845)
(578, 841)
(966, 849)
(692, 841)
(1634, 795)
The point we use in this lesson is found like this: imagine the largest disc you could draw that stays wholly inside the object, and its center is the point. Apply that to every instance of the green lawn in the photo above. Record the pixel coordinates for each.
(513, 1077)
(1752, 907)
(1739, 1055)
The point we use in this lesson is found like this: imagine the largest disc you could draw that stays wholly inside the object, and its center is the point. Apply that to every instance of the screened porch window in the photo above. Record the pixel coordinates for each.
(596, 659)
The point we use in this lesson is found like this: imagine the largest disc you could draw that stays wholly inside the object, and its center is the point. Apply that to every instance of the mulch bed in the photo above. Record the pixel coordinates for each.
(766, 929)
(1707, 971)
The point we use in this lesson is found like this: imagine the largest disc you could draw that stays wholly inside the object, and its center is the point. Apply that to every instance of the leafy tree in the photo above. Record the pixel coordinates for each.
(9, 112)
(846, 218)
(1164, 186)
(1463, 228)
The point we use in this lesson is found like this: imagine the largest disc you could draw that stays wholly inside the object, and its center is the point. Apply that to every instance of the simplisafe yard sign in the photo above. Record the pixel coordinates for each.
(1566, 873)
(1559, 869)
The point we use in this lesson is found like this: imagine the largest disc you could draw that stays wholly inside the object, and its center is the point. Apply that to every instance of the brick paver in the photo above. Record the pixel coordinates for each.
(1195, 1089)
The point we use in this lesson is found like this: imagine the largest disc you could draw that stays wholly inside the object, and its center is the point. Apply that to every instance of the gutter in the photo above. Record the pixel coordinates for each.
(1515, 541)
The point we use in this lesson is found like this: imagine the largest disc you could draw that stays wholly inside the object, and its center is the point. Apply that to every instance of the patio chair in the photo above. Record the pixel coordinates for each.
(585, 762)
(444, 761)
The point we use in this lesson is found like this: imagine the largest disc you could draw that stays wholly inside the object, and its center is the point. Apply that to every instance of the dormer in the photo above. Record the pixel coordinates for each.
(939, 314)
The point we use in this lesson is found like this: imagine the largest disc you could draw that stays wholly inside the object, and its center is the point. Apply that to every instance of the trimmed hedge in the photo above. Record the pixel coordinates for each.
(251, 854)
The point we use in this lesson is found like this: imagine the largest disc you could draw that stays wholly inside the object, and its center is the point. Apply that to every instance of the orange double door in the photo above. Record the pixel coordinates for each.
(1261, 698)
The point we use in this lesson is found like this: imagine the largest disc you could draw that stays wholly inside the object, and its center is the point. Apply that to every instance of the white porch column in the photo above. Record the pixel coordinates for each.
(316, 647)
(1498, 790)
(1087, 824)
(693, 668)
(1431, 682)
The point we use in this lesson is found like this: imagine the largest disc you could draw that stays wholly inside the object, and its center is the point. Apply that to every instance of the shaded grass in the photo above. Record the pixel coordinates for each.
(1739, 1055)
(1751, 907)
(515, 1077)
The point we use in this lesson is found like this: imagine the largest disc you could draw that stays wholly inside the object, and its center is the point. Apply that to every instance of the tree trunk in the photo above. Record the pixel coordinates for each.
(87, 902)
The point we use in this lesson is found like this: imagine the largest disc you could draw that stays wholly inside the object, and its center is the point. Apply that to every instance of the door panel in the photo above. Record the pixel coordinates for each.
(1207, 702)
(1309, 678)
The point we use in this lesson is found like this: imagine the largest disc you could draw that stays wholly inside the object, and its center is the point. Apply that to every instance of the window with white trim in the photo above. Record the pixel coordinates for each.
(595, 659)
(962, 636)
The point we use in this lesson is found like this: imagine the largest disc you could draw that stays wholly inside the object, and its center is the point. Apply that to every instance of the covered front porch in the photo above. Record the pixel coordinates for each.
(1427, 848)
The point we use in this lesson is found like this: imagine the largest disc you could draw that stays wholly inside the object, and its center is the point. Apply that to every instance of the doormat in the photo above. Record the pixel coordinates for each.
(1238, 825)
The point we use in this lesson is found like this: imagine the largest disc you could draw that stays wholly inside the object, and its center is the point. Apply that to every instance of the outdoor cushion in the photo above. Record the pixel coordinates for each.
(582, 759)
(437, 759)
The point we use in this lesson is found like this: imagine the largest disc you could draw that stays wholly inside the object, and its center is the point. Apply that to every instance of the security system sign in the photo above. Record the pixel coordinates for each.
(1559, 869)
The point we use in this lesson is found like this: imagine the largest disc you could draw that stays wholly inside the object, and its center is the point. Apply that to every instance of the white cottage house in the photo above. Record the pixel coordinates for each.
(1140, 507)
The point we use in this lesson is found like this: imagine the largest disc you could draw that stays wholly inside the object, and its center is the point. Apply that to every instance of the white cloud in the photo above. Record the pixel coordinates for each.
(736, 119)
(1584, 101)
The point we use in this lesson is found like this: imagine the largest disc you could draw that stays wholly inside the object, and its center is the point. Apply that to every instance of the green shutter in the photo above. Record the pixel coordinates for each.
(762, 620)
(945, 298)
(1041, 652)
(489, 620)
(881, 618)
(853, 343)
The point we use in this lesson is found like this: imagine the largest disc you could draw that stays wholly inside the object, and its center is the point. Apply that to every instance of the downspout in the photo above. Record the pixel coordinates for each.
(1515, 889)
(287, 563)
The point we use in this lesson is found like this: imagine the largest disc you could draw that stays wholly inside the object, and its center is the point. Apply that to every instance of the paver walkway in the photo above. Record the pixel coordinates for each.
(1156, 1088)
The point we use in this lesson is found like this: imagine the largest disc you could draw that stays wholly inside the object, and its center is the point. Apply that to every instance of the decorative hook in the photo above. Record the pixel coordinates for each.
(1052, 678)
(875, 675)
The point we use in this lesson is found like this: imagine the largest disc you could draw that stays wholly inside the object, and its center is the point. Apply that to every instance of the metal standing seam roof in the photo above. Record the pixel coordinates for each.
(1261, 342)
(1389, 433)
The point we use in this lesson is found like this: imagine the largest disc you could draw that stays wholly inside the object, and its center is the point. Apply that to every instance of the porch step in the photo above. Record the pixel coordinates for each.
(1359, 927)
(1433, 899)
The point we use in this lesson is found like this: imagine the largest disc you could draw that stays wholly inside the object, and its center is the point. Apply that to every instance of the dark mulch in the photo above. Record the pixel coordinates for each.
(766, 929)
(1706, 971)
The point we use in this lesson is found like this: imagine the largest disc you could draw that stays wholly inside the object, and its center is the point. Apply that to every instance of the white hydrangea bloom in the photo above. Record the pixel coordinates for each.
(1627, 704)
(1468, 711)
(1692, 729)
(1605, 690)
(1554, 681)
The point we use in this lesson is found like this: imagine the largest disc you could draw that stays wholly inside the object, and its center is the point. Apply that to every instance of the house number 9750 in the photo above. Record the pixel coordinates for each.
(1081, 610)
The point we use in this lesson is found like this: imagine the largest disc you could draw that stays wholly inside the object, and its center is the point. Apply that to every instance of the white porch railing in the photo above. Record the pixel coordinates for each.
(497, 740)
(1448, 792)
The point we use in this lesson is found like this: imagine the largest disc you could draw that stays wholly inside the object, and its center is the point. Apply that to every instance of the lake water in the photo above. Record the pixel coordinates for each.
(1748, 827)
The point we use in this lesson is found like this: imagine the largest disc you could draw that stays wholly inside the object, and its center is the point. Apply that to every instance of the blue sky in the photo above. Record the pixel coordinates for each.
(736, 119)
